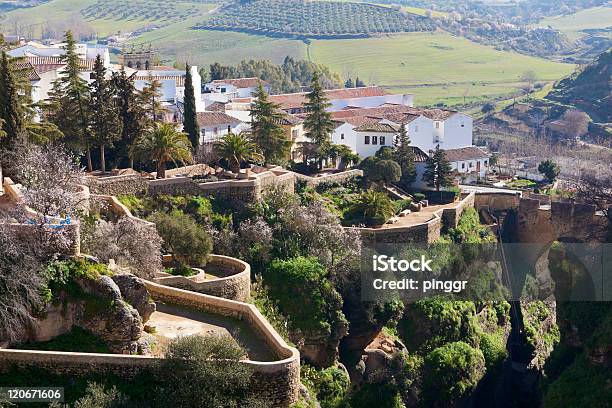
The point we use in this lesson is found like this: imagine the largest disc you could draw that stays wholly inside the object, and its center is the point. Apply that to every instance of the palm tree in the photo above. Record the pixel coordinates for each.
(237, 148)
(164, 144)
(373, 206)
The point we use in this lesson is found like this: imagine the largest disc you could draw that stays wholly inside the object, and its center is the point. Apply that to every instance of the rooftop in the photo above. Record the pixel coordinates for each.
(296, 100)
(465, 153)
(215, 118)
(242, 82)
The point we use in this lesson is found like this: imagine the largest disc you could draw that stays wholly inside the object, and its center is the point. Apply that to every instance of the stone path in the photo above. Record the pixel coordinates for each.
(172, 321)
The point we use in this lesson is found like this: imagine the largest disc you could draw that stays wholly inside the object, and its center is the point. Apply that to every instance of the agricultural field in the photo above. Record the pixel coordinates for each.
(315, 19)
(574, 24)
(436, 67)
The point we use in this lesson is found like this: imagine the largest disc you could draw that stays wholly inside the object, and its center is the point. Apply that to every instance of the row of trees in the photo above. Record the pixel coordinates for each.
(108, 114)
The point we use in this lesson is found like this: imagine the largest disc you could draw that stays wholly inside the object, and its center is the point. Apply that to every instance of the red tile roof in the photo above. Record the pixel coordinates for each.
(180, 80)
(215, 118)
(419, 155)
(85, 64)
(242, 82)
(376, 127)
(28, 70)
(465, 153)
(296, 100)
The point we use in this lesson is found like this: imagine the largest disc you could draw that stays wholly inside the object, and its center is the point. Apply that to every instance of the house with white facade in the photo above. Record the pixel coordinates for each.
(470, 163)
(172, 82)
(225, 90)
(215, 125)
(84, 51)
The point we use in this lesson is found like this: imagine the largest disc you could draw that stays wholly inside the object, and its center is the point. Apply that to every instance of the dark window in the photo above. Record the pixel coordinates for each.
(342, 136)
(382, 140)
(366, 140)
(374, 140)
(463, 165)
(486, 162)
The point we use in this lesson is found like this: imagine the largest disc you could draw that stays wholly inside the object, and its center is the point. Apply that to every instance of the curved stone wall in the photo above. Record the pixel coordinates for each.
(234, 285)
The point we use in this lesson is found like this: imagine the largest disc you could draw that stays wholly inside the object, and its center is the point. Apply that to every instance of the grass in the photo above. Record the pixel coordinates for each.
(435, 67)
(423, 12)
(573, 24)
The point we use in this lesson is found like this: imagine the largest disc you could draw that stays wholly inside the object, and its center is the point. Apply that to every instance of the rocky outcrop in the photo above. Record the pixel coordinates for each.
(136, 294)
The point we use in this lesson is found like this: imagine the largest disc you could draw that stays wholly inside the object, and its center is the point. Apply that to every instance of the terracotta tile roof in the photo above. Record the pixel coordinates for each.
(242, 82)
(401, 118)
(216, 107)
(291, 120)
(379, 111)
(180, 80)
(85, 64)
(215, 118)
(376, 127)
(242, 100)
(28, 70)
(296, 100)
(43, 68)
(465, 153)
(419, 155)
(360, 120)
(434, 114)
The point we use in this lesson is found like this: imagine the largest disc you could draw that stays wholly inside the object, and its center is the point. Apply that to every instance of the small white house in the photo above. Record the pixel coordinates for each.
(214, 125)
(470, 160)
(235, 88)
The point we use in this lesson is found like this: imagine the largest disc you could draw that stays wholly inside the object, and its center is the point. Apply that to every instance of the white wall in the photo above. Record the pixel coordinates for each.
(366, 150)
(469, 166)
(350, 136)
(370, 101)
(208, 134)
(456, 132)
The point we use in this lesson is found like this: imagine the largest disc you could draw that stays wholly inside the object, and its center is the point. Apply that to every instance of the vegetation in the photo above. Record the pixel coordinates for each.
(371, 208)
(189, 243)
(404, 155)
(330, 385)
(190, 121)
(162, 145)
(315, 19)
(318, 123)
(268, 134)
(549, 169)
(438, 172)
(290, 76)
(236, 149)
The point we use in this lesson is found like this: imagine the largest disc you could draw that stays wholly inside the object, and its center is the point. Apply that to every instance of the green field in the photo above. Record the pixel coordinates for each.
(572, 24)
(435, 67)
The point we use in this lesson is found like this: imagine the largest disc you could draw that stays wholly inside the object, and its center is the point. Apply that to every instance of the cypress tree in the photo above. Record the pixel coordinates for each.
(68, 103)
(106, 124)
(190, 116)
(318, 122)
(12, 112)
(268, 134)
(150, 99)
(404, 155)
(438, 171)
(349, 83)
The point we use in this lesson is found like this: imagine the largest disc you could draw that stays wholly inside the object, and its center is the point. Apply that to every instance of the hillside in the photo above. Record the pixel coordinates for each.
(315, 19)
(589, 89)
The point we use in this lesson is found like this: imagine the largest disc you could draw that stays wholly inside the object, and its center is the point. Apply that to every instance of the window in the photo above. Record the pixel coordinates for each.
(223, 90)
(294, 134)
(463, 125)
(382, 140)
(437, 125)
(366, 140)
(374, 140)
(463, 165)
(216, 130)
(486, 162)
(341, 136)
(416, 128)
(471, 164)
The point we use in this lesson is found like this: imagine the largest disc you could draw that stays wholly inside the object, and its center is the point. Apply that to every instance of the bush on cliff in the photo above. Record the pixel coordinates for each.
(451, 373)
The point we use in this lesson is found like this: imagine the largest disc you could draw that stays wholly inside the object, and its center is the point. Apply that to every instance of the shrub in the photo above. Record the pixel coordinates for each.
(493, 349)
(306, 295)
(418, 197)
(189, 243)
(330, 385)
(451, 372)
(401, 205)
(372, 208)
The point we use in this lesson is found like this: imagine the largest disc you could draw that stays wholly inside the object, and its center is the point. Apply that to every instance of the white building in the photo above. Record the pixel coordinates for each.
(215, 125)
(84, 51)
(469, 162)
(224, 90)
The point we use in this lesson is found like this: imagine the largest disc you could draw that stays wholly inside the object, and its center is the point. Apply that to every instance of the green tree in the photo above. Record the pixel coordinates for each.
(438, 171)
(188, 242)
(105, 120)
(236, 149)
(349, 83)
(164, 144)
(12, 114)
(404, 155)
(550, 170)
(268, 134)
(190, 116)
(68, 102)
(345, 154)
(150, 100)
(318, 122)
(373, 206)
(133, 117)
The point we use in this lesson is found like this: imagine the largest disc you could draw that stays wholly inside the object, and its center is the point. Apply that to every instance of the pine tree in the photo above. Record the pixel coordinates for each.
(69, 101)
(318, 122)
(12, 113)
(150, 99)
(190, 116)
(349, 83)
(438, 171)
(268, 134)
(106, 124)
(404, 155)
(133, 117)
(359, 83)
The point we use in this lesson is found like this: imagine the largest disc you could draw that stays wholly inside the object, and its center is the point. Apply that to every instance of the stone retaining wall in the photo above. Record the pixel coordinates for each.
(498, 201)
(341, 178)
(118, 185)
(451, 216)
(277, 381)
(427, 232)
(236, 285)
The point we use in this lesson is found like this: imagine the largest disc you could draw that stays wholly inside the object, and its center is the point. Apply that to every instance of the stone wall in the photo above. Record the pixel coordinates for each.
(498, 201)
(118, 185)
(451, 216)
(341, 177)
(235, 283)
(427, 232)
(277, 381)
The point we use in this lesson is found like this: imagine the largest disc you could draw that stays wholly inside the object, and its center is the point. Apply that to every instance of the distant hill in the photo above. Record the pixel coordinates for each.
(589, 89)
